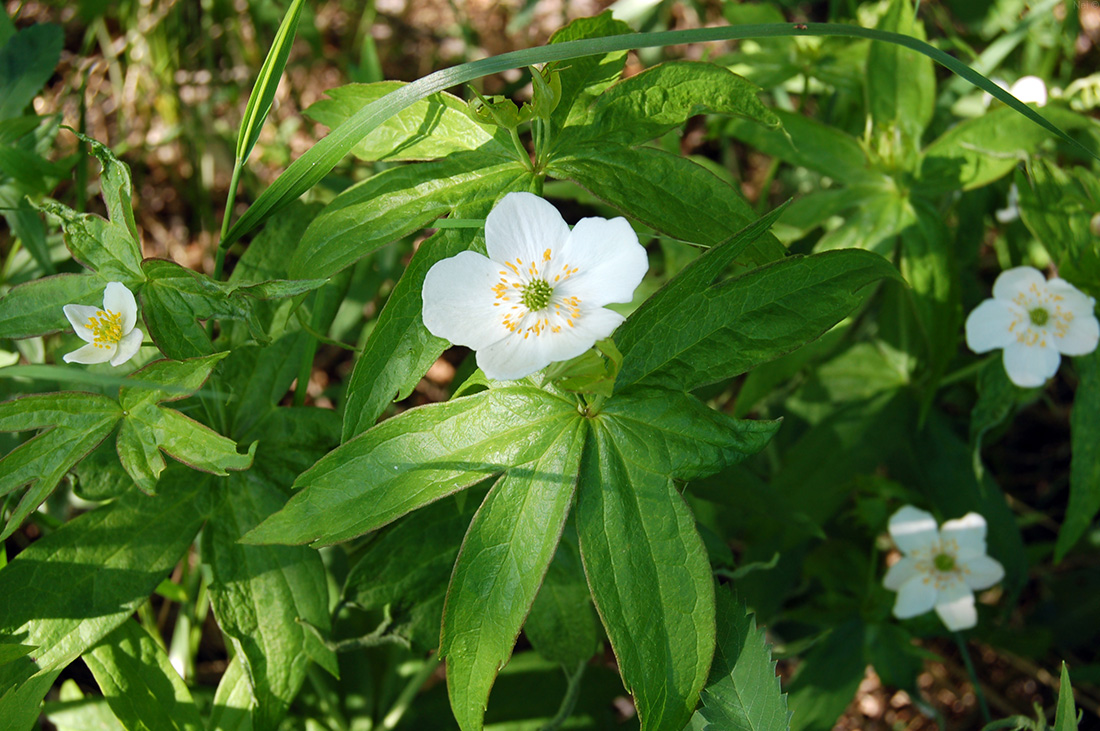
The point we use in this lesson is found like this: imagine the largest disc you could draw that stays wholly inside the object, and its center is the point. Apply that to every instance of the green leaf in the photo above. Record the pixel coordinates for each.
(233, 700)
(873, 223)
(647, 184)
(290, 440)
(409, 564)
(810, 144)
(431, 128)
(978, 151)
(414, 459)
(262, 596)
(998, 397)
(26, 225)
(109, 561)
(827, 679)
(662, 98)
(901, 84)
(648, 572)
(743, 692)
(507, 551)
(27, 62)
(259, 101)
(72, 425)
(584, 78)
(928, 265)
(35, 308)
(74, 711)
(1066, 717)
(562, 624)
(319, 160)
(1084, 475)
(729, 328)
(1058, 206)
(398, 202)
(148, 428)
(110, 248)
(20, 703)
(175, 298)
(142, 688)
(673, 433)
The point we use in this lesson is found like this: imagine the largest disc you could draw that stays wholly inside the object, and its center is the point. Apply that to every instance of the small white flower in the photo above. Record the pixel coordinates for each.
(1028, 89)
(109, 332)
(940, 568)
(1036, 322)
(539, 296)
(1011, 211)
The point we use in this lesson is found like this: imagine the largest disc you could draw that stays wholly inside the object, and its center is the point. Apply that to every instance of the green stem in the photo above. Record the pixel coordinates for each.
(219, 261)
(569, 702)
(964, 372)
(401, 705)
(524, 157)
(965, 652)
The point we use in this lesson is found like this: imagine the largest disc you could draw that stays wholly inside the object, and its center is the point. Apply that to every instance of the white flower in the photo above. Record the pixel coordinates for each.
(940, 568)
(108, 332)
(1036, 322)
(1028, 89)
(539, 297)
(1011, 211)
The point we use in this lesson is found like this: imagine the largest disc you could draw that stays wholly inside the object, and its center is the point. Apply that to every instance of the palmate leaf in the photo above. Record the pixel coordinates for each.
(142, 688)
(562, 625)
(503, 559)
(263, 595)
(431, 128)
(73, 424)
(661, 98)
(648, 572)
(175, 299)
(148, 428)
(414, 459)
(743, 692)
(398, 202)
(408, 566)
(692, 333)
(108, 561)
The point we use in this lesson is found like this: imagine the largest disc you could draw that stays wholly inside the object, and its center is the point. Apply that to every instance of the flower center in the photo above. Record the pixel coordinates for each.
(1039, 316)
(944, 562)
(106, 327)
(536, 294)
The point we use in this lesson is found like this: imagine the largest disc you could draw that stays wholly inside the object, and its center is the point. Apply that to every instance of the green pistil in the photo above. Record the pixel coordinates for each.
(536, 295)
(944, 562)
(1039, 316)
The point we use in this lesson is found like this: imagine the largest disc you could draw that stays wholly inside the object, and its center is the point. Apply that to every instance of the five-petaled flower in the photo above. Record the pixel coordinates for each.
(1036, 322)
(108, 331)
(539, 296)
(940, 567)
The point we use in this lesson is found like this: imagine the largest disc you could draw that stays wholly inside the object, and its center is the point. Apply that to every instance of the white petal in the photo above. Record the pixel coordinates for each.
(988, 323)
(1084, 331)
(117, 298)
(1030, 90)
(982, 572)
(516, 356)
(1017, 280)
(458, 301)
(955, 605)
(523, 226)
(610, 261)
(78, 316)
(913, 530)
(90, 354)
(1081, 337)
(964, 537)
(1029, 366)
(915, 596)
(127, 347)
(513, 357)
(900, 573)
